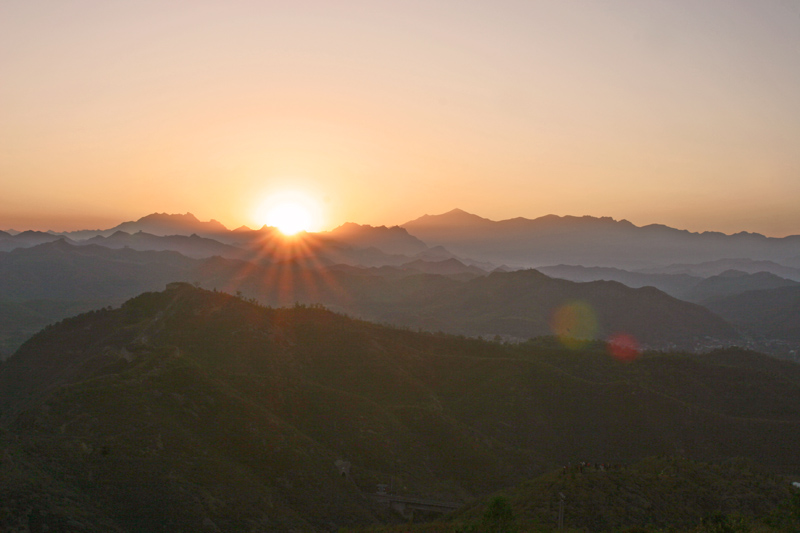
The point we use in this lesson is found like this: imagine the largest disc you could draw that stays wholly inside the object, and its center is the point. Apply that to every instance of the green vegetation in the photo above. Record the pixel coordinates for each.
(196, 410)
(656, 495)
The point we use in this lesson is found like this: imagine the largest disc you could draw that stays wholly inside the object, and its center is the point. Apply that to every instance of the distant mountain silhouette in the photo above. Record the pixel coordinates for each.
(447, 267)
(733, 282)
(42, 284)
(517, 304)
(62, 271)
(454, 221)
(589, 241)
(691, 288)
(191, 246)
(166, 224)
(351, 244)
(677, 285)
(161, 224)
(477, 241)
(454, 298)
(26, 239)
(769, 313)
(793, 262)
(393, 240)
(435, 253)
(714, 268)
(440, 253)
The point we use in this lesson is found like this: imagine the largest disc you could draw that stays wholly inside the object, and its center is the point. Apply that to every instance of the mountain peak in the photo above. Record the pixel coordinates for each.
(458, 211)
(392, 240)
(168, 216)
(163, 224)
(454, 217)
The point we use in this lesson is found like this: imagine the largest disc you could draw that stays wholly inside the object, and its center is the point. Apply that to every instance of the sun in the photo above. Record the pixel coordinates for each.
(290, 218)
(290, 212)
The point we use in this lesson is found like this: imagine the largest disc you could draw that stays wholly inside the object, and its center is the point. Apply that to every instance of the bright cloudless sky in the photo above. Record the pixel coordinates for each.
(679, 112)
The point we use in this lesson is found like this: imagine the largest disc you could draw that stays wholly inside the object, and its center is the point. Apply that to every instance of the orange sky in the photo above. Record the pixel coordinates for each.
(684, 113)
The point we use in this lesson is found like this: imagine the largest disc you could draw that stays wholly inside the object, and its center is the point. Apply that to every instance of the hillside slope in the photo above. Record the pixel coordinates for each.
(656, 494)
(203, 408)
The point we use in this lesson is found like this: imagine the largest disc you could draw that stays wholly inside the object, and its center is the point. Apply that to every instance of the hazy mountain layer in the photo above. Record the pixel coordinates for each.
(43, 284)
(734, 282)
(517, 305)
(677, 285)
(161, 224)
(769, 313)
(519, 242)
(683, 286)
(715, 268)
(394, 240)
(61, 271)
(190, 246)
(589, 241)
(26, 239)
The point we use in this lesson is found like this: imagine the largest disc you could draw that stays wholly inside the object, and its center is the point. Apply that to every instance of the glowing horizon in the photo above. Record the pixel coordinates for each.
(679, 113)
(310, 225)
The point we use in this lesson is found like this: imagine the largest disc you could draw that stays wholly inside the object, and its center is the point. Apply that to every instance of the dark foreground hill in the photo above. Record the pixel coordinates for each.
(193, 410)
(657, 494)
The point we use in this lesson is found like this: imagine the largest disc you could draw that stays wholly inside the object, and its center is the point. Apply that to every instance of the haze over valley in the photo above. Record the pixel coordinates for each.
(389, 275)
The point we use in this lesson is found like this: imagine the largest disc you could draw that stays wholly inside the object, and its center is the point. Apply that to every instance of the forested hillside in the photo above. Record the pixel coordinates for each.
(204, 408)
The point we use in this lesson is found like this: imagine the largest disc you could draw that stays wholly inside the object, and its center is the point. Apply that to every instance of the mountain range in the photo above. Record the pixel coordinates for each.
(161, 224)
(680, 285)
(590, 241)
(519, 242)
(53, 280)
(391, 275)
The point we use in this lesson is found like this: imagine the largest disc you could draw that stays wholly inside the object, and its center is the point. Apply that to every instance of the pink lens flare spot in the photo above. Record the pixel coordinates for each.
(623, 347)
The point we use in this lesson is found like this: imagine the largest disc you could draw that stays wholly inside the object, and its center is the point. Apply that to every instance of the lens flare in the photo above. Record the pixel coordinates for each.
(575, 324)
(623, 347)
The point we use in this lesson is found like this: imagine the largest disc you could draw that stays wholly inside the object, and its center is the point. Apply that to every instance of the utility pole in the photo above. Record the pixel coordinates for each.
(561, 510)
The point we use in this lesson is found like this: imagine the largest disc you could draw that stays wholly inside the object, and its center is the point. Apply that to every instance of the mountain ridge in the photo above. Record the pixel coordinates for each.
(160, 224)
(453, 297)
(590, 241)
